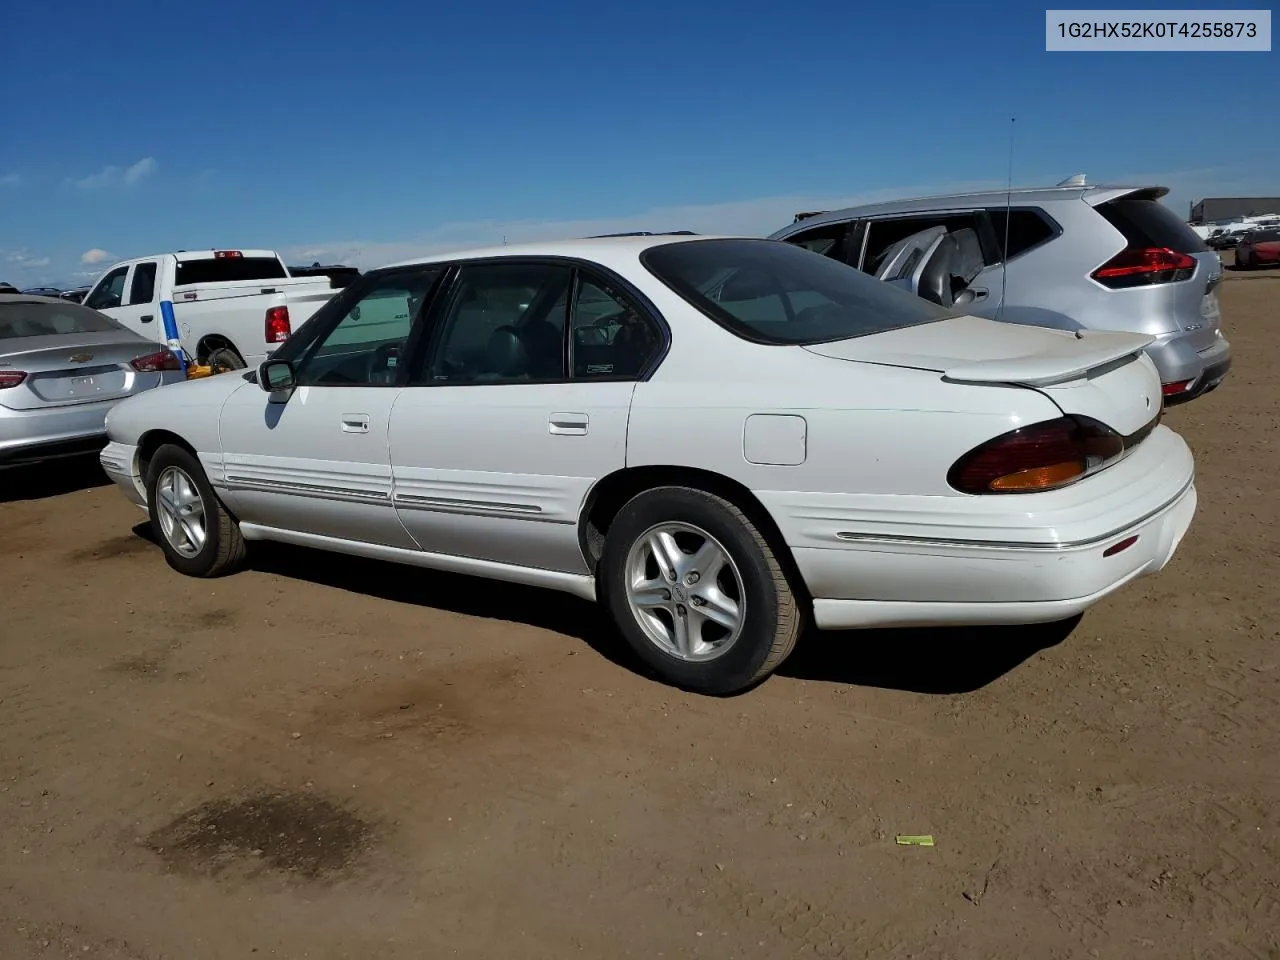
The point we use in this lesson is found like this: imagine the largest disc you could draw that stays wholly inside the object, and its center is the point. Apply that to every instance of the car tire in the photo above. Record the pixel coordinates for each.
(224, 359)
(197, 534)
(739, 613)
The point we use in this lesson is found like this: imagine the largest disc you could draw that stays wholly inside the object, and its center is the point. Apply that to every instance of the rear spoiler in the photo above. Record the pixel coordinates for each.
(1086, 352)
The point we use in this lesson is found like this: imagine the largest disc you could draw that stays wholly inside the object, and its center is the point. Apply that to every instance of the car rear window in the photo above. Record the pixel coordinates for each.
(1264, 236)
(229, 270)
(769, 291)
(1149, 223)
(32, 319)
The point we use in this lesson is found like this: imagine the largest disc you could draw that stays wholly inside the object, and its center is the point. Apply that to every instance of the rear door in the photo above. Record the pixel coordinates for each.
(975, 260)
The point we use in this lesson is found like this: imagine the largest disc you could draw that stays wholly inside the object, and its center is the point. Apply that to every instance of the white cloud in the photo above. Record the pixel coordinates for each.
(137, 172)
(96, 255)
(113, 176)
(22, 260)
(11, 180)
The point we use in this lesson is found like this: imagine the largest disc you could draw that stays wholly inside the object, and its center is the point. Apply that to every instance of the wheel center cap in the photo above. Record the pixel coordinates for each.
(678, 593)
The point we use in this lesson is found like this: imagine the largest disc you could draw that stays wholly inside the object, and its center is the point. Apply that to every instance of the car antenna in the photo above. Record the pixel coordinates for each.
(1008, 215)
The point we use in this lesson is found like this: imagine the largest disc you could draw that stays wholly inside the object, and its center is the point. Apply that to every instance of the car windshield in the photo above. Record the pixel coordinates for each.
(769, 291)
(29, 318)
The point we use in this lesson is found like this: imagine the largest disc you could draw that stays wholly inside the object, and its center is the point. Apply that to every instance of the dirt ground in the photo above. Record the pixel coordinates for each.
(327, 758)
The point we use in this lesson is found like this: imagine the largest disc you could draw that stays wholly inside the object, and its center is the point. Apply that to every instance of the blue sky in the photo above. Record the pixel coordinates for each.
(368, 132)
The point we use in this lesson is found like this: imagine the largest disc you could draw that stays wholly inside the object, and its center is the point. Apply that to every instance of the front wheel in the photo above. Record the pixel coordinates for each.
(197, 534)
(697, 591)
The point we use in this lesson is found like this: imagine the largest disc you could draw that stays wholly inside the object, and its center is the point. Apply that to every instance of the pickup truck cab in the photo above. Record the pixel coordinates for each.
(230, 308)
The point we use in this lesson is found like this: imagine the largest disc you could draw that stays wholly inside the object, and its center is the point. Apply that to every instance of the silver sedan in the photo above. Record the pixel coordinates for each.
(62, 367)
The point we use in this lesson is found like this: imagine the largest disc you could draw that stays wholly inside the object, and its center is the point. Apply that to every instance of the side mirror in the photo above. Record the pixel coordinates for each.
(276, 377)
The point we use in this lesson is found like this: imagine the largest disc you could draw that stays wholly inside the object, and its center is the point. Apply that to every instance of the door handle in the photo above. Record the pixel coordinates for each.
(568, 424)
(355, 423)
(148, 318)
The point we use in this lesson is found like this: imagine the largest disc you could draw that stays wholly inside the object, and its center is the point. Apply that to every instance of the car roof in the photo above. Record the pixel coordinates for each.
(30, 298)
(604, 250)
(1093, 193)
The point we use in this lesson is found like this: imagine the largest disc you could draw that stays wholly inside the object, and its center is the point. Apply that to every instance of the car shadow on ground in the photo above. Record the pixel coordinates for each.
(51, 479)
(931, 661)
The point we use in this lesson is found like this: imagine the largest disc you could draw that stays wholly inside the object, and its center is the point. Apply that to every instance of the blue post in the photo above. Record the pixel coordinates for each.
(171, 332)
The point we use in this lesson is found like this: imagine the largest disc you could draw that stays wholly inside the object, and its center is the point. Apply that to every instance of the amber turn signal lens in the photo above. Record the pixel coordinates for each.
(1039, 478)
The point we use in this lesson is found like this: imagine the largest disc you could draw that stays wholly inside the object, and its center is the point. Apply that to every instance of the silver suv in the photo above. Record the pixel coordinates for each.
(1079, 257)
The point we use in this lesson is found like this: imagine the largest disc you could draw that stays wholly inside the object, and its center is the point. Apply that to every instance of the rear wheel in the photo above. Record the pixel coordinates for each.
(223, 359)
(197, 534)
(697, 591)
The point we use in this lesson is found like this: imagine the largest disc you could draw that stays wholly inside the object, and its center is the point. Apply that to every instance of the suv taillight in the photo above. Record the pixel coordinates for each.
(1141, 266)
(164, 359)
(278, 328)
(1041, 456)
(11, 378)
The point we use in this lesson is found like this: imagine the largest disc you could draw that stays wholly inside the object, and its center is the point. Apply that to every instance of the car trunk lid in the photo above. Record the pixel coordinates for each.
(1100, 374)
(91, 368)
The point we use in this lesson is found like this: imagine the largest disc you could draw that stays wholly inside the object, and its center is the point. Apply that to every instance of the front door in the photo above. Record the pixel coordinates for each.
(517, 410)
(317, 462)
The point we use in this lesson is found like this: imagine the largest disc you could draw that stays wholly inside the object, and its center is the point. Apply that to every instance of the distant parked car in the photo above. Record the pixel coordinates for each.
(75, 296)
(1079, 257)
(1258, 248)
(1225, 240)
(7, 287)
(62, 367)
(714, 437)
(42, 292)
(339, 276)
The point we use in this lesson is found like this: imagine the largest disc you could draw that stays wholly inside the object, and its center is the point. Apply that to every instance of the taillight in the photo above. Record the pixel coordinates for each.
(164, 359)
(227, 254)
(1175, 388)
(1142, 266)
(278, 329)
(11, 378)
(1041, 456)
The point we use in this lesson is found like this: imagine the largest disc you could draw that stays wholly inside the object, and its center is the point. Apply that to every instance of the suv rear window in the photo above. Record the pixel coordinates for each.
(1149, 223)
(1263, 236)
(770, 291)
(229, 270)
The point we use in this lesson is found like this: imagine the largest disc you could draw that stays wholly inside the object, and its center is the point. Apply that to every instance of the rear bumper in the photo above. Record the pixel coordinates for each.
(1179, 363)
(29, 436)
(1063, 584)
(898, 560)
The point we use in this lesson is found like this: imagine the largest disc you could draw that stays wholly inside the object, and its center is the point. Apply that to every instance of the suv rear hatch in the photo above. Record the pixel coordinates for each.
(1163, 264)
(1092, 373)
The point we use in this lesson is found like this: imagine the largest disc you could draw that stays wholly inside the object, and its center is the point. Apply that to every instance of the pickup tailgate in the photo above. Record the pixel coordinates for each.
(1099, 374)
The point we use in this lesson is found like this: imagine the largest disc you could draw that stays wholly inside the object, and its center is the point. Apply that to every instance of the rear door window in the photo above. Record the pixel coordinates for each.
(1027, 228)
(883, 234)
(142, 289)
(1146, 222)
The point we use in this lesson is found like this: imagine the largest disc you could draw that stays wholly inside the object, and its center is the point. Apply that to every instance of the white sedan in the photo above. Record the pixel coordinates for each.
(719, 438)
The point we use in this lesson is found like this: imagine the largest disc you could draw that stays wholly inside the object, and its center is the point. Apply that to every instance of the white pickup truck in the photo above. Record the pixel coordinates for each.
(230, 308)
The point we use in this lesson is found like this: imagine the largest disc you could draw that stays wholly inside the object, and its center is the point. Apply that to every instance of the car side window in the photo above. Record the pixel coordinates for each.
(1027, 229)
(883, 234)
(109, 292)
(143, 287)
(612, 338)
(502, 323)
(365, 346)
(839, 241)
